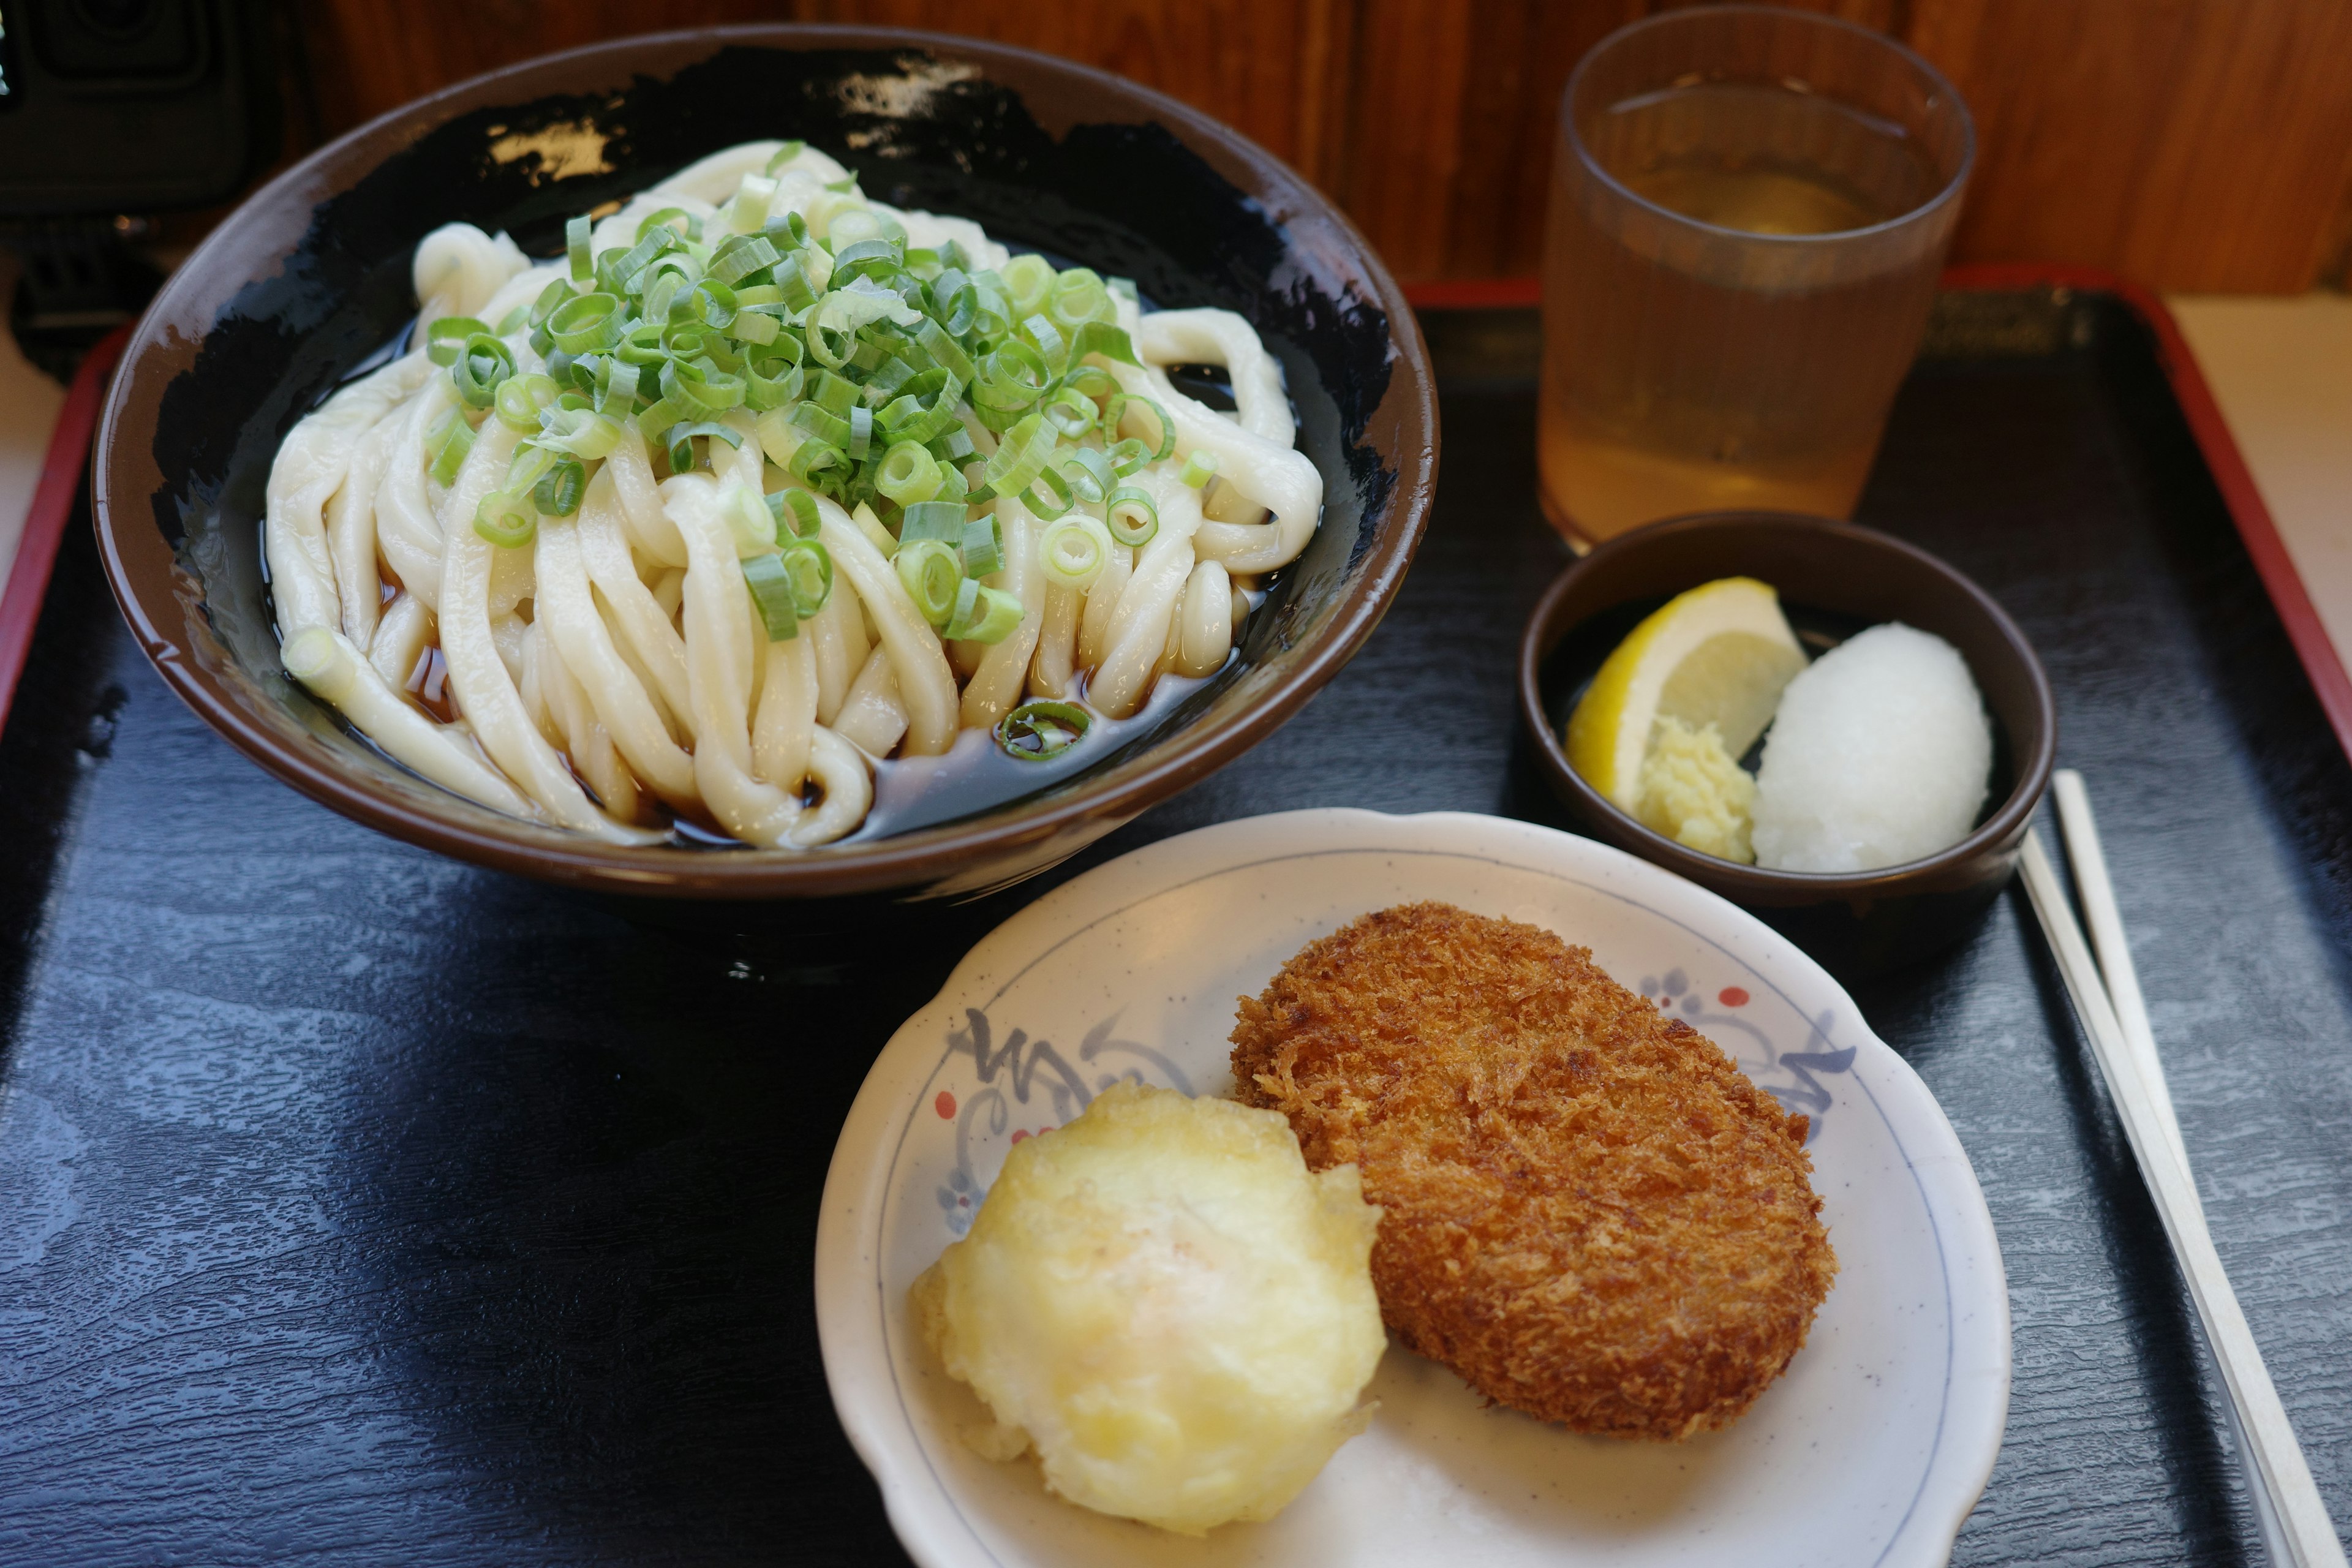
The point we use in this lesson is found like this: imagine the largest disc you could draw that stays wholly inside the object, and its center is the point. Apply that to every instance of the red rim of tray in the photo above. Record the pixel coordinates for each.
(53, 500)
(2321, 662)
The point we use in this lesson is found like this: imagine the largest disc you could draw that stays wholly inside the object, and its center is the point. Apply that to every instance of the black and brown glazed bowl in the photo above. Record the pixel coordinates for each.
(1833, 579)
(312, 276)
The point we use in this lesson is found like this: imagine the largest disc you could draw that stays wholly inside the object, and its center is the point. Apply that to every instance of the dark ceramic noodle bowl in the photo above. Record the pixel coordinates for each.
(1834, 580)
(311, 278)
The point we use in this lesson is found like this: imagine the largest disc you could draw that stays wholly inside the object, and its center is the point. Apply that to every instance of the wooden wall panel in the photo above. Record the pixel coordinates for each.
(2201, 144)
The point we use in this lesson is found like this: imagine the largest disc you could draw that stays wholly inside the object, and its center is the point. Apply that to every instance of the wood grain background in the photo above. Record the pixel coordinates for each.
(2192, 144)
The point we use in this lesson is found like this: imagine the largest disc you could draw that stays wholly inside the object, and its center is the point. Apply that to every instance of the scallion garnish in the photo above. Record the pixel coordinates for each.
(772, 594)
(506, 519)
(1040, 731)
(1200, 466)
(1073, 552)
(1131, 517)
(982, 614)
(928, 572)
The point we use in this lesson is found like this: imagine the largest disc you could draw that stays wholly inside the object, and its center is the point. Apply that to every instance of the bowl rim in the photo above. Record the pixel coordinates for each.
(154, 594)
(1998, 832)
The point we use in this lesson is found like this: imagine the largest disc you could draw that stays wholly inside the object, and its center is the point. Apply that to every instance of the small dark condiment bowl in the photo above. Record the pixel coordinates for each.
(311, 278)
(1833, 579)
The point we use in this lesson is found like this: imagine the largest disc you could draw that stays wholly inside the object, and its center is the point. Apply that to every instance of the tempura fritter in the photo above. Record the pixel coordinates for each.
(1591, 1215)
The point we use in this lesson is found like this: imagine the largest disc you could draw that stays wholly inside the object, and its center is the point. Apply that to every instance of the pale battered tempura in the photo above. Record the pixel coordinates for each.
(1163, 1303)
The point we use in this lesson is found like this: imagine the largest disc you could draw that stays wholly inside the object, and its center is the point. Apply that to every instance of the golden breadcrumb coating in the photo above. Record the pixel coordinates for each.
(1591, 1215)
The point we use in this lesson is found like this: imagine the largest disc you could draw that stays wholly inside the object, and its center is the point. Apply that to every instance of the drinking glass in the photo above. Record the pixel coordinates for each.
(1750, 206)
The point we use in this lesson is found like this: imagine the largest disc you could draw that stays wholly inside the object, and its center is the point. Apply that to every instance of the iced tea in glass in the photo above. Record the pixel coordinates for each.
(1750, 206)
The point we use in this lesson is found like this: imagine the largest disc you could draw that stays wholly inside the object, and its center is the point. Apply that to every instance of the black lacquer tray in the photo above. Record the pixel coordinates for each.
(360, 1206)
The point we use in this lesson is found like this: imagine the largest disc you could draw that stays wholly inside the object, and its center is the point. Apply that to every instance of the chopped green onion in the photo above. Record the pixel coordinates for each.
(672, 216)
(505, 521)
(785, 155)
(1020, 457)
(1051, 496)
(1200, 466)
(520, 398)
(679, 439)
(514, 319)
(796, 513)
(1104, 338)
(876, 535)
(983, 546)
(749, 521)
(531, 460)
(861, 433)
(741, 255)
(1040, 731)
(1130, 516)
(941, 521)
(552, 296)
(1027, 281)
(445, 339)
(1078, 297)
(1071, 414)
(1013, 376)
(1129, 457)
(589, 323)
(771, 595)
(1088, 472)
(1115, 415)
(1073, 552)
(813, 461)
(945, 351)
(479, 367)
(808, 567)
(706, 391)
(1048, 339)
(1125, 287)
(575, 246)
(909, 474)
(982, 613)
(558, 493)
(582, 433)
(445, 447)
(927, 570)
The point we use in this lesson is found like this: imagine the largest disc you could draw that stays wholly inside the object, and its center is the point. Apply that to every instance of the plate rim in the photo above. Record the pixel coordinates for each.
(850, 1226)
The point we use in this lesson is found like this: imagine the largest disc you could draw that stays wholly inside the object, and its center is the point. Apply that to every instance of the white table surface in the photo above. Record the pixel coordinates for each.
(2281, 369)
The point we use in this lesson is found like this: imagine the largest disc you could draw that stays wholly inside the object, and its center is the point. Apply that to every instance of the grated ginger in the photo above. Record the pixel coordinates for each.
(1696, 793)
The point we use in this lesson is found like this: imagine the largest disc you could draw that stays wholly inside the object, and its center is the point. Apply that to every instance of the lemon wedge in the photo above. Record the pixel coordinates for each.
(1717, 654)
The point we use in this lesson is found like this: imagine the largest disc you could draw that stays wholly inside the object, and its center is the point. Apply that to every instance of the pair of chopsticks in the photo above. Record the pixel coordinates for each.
(2294, 1523)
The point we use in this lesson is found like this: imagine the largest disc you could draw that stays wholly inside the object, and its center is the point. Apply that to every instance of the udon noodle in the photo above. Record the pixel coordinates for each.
(759, 484)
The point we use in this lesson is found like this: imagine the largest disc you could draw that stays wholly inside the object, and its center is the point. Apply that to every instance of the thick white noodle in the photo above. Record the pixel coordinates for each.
(1102, 602)
(848, 792)
(478, 673)
(407, 531)
(456, 270)
(644, 623)
(586, 739)
(310, 467)
(400, 638)
(1138, 633)
(350, 526)
(567, 608)
(649, 526)
(1279, 478)
(872, 718)
(324, 660)
(1058, 642)
(1224, 337)
(836, 634)
(717, 647)
(1205, 621)
(925, 685)
(995, 688)
(785, 725)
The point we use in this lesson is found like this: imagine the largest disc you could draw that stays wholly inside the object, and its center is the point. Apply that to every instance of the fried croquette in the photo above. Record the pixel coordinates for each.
(1591, 1215)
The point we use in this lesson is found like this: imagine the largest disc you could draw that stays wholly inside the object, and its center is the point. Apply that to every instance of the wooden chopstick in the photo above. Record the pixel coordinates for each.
(2103, 915)
(2276, 1461)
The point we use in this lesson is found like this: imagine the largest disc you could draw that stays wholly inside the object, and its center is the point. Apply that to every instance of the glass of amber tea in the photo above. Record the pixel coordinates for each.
(1750, 206)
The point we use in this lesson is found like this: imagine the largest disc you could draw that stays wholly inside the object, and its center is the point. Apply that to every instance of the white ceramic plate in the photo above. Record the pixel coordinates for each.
(1869, 1450)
